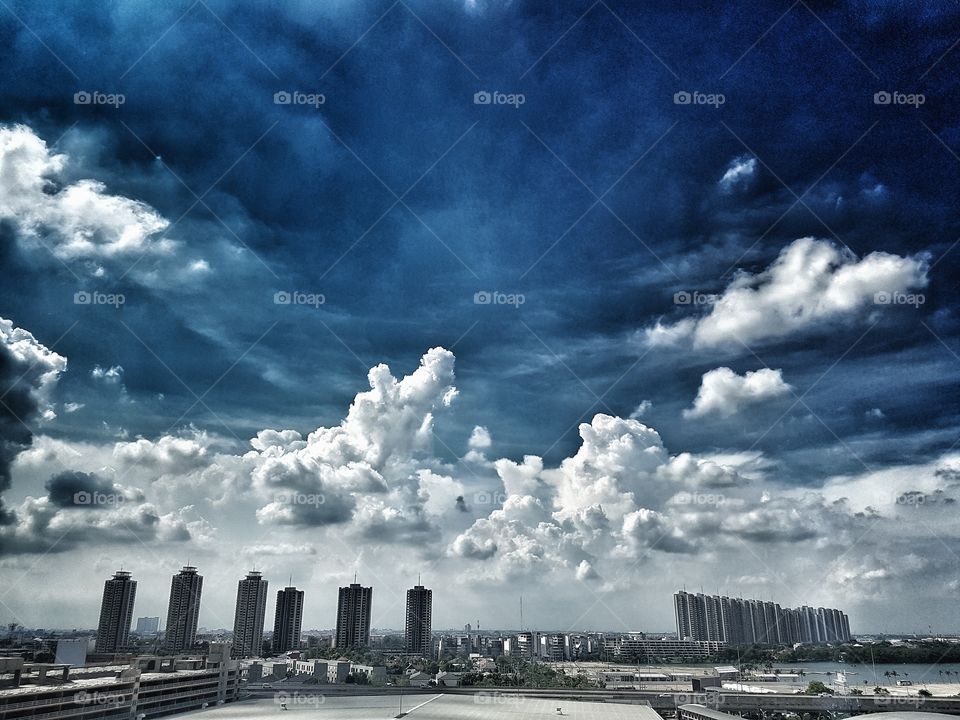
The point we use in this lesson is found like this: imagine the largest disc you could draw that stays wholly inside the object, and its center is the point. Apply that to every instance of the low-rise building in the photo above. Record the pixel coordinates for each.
(375, 674)
(148, 687)
(311, 668)
(449, 679)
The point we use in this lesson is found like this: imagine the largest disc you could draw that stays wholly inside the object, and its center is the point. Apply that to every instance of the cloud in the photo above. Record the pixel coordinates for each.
(28, 372)
(479, 438)
(640, 410)
(43, 526)
(279, 550)
(811, 284)
(739, 173)
(361, 469)
(111, 375)
(722, 392)
(78, 221)
(71, 489)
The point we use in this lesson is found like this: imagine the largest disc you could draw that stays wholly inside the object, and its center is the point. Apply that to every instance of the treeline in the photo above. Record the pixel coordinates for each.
(514, 672)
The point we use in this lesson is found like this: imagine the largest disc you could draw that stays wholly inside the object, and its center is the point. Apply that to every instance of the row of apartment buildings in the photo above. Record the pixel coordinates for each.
(353, 615)
(736, 621)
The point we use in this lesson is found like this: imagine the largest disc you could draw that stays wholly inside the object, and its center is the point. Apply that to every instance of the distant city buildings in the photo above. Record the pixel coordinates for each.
(638, 646)
(183, 610)
(148, 626)
(116, 613)
(418, 627)
(353, 616)
(288, 620)
(735, 621)
(249, 616)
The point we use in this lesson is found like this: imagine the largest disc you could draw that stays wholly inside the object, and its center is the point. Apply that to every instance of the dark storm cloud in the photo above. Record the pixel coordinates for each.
(64, 487)
(74, 489)
(17, 407)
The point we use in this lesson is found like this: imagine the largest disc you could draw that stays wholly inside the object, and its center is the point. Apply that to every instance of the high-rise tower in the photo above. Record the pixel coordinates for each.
(288, 619)
(353, 616)
(249, 617)
(116, 613)
(183, 610)
(419, 636)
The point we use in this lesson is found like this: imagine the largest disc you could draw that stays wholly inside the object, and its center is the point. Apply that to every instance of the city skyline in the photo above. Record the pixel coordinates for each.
(697, 617)
(577, 302)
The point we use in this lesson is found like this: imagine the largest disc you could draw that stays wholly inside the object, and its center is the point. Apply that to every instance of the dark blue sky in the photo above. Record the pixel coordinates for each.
(400, 198)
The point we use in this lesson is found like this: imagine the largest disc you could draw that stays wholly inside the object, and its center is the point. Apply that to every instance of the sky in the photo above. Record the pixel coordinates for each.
(583, 302)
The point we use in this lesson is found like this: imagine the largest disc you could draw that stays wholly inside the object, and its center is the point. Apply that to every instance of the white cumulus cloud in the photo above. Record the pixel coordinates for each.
(811, 283)
(722, 392)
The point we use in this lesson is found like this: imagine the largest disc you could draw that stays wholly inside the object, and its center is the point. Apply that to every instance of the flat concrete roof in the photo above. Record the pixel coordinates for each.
(424, 707)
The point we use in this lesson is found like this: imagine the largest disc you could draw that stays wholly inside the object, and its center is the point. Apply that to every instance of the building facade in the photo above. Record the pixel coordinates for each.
(288, 620)
(148, 625)
(419, 624)
(353, 616)
(147, 688)
(249, 616)
(116, 613)
(736, 621)
(183, 610)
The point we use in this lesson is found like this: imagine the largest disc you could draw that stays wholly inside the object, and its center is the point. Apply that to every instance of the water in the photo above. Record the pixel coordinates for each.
(918, 673)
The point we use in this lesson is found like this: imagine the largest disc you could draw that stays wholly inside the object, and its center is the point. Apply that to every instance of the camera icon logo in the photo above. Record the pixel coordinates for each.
(82, 497)
(82, 297)
(682, 98)
(882, 98)
(482, 298)
(282, 98)
(281, 297)
(82, 98)
(482, 98)
(682, 298)
(881, 298)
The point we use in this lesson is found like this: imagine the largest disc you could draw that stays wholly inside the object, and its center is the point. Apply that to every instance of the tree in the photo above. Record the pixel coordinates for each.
(923, 692)
(816, 687)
